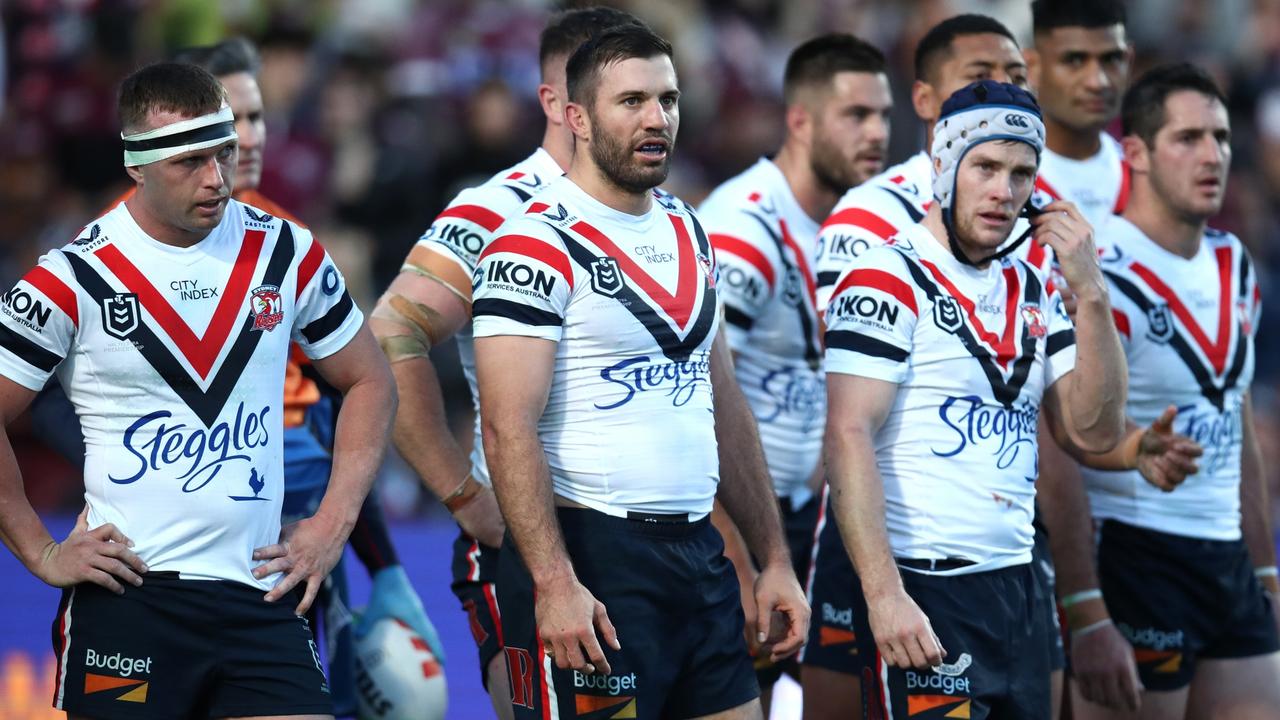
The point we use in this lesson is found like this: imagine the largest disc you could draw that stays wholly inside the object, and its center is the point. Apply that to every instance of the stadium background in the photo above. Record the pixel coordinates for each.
(378, 111)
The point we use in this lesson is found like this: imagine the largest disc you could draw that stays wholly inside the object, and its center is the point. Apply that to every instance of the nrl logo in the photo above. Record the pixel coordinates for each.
(606, 277)
(266, 307)
(946, 314)
(120, 315)
(1159, 323)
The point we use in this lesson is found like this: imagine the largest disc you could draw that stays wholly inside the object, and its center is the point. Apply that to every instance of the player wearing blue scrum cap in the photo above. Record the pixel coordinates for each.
(941, 348)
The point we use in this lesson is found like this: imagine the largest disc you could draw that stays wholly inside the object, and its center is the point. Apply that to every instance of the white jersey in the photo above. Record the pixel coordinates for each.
(630, 302)
(1187, 326)
(972, 352)
(1098, 185)
(461, 233)
(174, 359)
(764, 243)
(868, 215)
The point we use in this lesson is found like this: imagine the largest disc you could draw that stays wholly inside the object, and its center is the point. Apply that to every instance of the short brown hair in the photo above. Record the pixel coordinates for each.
(168, 87)
(624, 42)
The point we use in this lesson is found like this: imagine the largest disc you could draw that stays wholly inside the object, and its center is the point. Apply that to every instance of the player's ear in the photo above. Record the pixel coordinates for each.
(799, 122)
(551, 103)
(1032, 58)
(923, 99)
(1136, 153)
(579, 122)
(135, 173)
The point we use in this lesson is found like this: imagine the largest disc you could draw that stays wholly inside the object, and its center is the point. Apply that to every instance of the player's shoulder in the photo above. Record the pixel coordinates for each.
(673, 205)
(750, 190)
(890, 199)
(1115, 238)
(507, 190)
(537, 220)
(1218, 238)
(263, 209)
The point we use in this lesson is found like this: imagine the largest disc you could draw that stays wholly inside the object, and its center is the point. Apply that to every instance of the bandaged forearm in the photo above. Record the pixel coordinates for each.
(417, 320)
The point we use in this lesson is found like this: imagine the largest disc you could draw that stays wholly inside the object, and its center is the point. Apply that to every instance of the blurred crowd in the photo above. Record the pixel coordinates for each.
(379, 111)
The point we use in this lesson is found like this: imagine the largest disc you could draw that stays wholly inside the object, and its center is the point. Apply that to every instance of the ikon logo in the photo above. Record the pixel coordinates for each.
(1016, 120)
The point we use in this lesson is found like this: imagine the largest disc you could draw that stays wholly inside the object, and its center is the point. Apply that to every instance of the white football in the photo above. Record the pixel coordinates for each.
(397, 676)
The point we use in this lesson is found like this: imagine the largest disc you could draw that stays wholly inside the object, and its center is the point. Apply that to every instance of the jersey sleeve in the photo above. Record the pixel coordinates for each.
(852, 228)
(1060, 343)
(39, 318)
(871, 319)
(462, 230)
(522, 284)
(750, 270)
(326, 318)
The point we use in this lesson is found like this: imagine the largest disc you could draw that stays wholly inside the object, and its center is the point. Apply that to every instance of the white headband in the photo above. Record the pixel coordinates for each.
(196, 133)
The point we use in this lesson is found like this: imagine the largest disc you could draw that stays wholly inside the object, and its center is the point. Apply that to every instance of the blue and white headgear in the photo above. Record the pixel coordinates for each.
(981, 112)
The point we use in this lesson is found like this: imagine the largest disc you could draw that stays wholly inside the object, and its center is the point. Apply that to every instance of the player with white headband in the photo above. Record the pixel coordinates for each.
(185, 597)
(941, 348)
(199, 133)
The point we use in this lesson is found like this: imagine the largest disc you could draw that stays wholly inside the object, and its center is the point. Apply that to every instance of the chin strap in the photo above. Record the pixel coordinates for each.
(949, 223)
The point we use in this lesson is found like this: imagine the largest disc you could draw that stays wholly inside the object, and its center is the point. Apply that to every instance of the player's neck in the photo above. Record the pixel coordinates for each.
(933, 223)
(584, 173)
(814, 197)
(1180, 236)
(558, 142)
(159, 230)
(1069, 142)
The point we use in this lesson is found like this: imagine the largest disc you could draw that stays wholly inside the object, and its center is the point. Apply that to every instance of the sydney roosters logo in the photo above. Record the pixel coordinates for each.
(1034, 318)
(266, 307)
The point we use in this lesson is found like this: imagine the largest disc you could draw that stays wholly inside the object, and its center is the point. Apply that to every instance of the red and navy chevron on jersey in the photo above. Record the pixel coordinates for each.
(1187, 326)
(631, 303)
(175, 361)
(972, 352)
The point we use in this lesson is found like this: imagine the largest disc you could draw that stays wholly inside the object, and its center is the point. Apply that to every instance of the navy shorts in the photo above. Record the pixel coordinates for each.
(1042, 566)
(839, 637)
(799, 525)
(1178, 599)
(993, 627)
(185, 648)
(475, 571)
(673, 598)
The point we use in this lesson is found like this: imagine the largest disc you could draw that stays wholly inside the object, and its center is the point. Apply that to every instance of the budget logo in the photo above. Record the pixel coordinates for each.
(608, 698)
(122, 680)
(945, 706)
(606, 277)
(266, 307)
(946, 314)
(120, 315)
(1159, 323)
